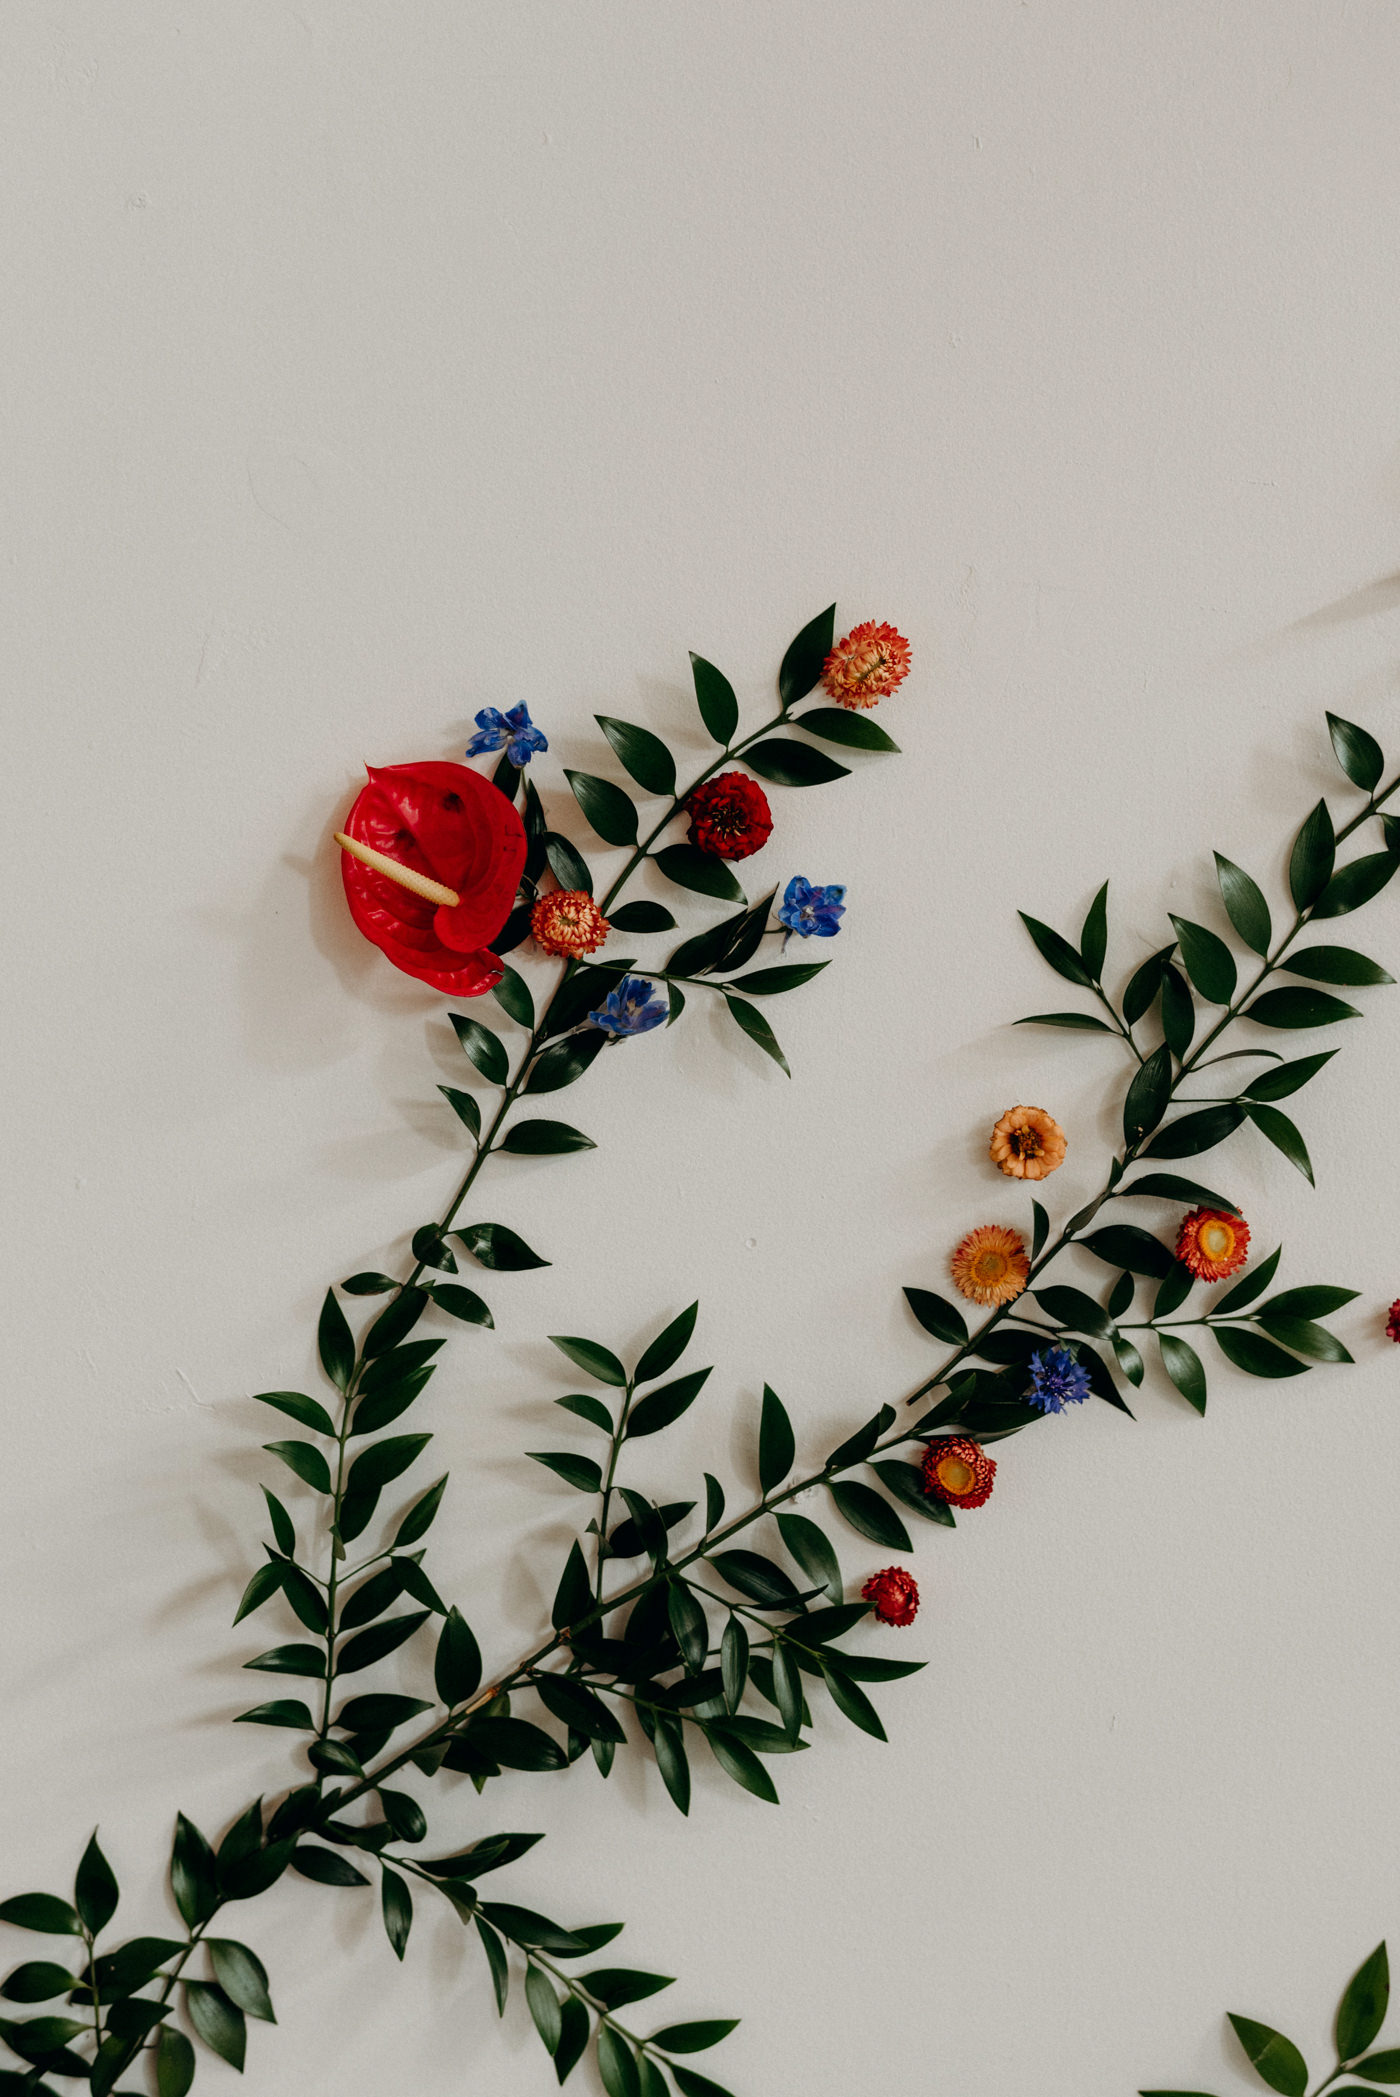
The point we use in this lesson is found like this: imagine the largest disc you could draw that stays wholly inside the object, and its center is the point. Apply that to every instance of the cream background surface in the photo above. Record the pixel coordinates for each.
(367, 365)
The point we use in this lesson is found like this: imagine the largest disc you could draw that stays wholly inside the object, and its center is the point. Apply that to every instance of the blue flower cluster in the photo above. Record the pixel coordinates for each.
(808, 911)
(633, 1008)
(515, 733)
(1057, 1379)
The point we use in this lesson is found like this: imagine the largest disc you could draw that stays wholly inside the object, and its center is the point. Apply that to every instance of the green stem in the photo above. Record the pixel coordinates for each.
(619, 1436)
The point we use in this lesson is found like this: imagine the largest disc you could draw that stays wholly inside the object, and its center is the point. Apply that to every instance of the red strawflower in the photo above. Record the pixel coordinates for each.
(867, 665)
(895, 1595)
(958, 1472)
(730, 816)
(1392, 1323)
(568, 922)
(1212, 1243)
(447, 824)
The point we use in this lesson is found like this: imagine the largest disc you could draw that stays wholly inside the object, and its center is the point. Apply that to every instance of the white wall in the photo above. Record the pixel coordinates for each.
(366, 365)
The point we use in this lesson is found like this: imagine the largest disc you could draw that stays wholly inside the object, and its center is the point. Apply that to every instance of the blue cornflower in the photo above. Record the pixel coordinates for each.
(1057, 1380)
(515, 733)
(807, 910)
(633, 1008)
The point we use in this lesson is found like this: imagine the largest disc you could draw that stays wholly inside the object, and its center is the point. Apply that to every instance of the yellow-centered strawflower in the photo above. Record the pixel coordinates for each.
(991, 1265)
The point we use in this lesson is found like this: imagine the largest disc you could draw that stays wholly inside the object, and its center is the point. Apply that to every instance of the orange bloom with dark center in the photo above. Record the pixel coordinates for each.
(1028, 1143)
(1212, 1243)
(729, 816)
(569, 923)
(991, 1265)
(958, 1472)
(895, 1595)
(867, 665)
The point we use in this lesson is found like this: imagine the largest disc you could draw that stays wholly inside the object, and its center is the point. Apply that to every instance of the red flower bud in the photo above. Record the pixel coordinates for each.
(730, 816)
(895, 1595)
(449, 824)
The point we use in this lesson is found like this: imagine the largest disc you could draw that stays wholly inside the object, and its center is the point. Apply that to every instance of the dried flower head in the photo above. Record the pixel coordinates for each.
(895, 1595)
(991, 1265)
(1028, 1143)
(867, 665)
(1212, 1243)
(958, 1472)
(1392, 1323)
(729, 816)
(568, 922)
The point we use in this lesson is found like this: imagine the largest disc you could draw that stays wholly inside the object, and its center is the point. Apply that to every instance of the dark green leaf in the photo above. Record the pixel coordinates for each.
(574, 2029)
(714, 695)
(1276, 2059)
(1191, 1134)
(544, 1139)
(1072, 1307)
(1255, 1356)
(326, 1866)
(740, 1763)
(1148, 1095)
(1056, 949)
(1315, 1300)
(1303, 1336)
(777, 1445)
(714, 1503)
(616, 2064)
(544, 2006)
(429, 1250)
(462, 1303)
(574, 1594)
(1359, 755)
(1252, 1286)
(374, 1467)
(1336, 965)
(642, 754)
(396, 1906)
(1174, 1290)
(772, 982)
(291, 1660)
(835, 725)
(242, 1976)
(366, 1647)
(693, 2038)
(1129, 1360)
(669, 1746)
(194, 1878)
(667, 1348)
(1124, 1245)
(334, 1344)
(1144, 983)
(464, 1106)
(804, 658)
(38, 1980)
(1178, 1011)
(1245, 905)
(567, 864)
(659, 1408)
(870, 1514)
(692, 2085)
(1079, 1022)
(175, 2063)
(1357, 884)
(495, 1245)
(512, 994)
(1183, 1365)
(1380, 2067)
(1093, 940)
(906, 1482)
(287, 1711)
(1120, 1296)
(1299, 1008)
(419, 1519)
(377, 1713)
(497, 1961)
(1167, 1186)
(308, 1463)
(536, 1932)
(265, 1583)
(578, 1708)
(580, 1472)
(1039, 1233)
(219, 2022)
(1289, 1077)
(698, 871)
(852, 1702)
(936, 1315)
(298, 1407)
(757, 1577)
(396, 1322)
(734, 1670)
(591, 1409)
(688, 1624)
(593, 1359)
(1285, 1136)
(611, 813)
(787, 762)
(616, 1986)
(642, 917)
(1310, 863)
(758, 1030)
(1209, 962)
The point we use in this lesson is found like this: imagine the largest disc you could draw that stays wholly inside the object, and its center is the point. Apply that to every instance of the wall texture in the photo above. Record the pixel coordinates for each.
(367, 365)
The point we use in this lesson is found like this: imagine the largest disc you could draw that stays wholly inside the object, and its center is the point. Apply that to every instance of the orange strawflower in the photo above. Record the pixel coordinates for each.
(1212, 1243)
(568, 922)
(958, 1472)
(867, 665)
(991, 1265)
(1028, 1143)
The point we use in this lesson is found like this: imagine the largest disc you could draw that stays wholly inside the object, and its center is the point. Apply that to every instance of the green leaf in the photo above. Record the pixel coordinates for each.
(668, 1346)
(496, 1246)
(1056, 949)
(787, 762)
(1285, 1136)
(642, 754)
(936, 1315)
(772, 982)
(292, 1660)
(1093, 940)
(777, 1445)
(1144, 983)
(286, 1711)
(457, 1665)
(758, 1030)
(1310, 863)
(1174, 1290)
(755, 1576)
(739, 1763)
(714, 1503)
(574, 1593)
(175, 2063)
(1303, 1336)
(1380, 2067)
(591, 1409)
(326, 1866)
(733, 1665)
(1336, 965)
(616, 2064)
(462, 1303)
(1314, 1300)
(383, 1461)
(1167, 1186)
(805, 657)
(512, 994)
(1353, 886)
(1299, 1008)
(564, 1062)
(701, 872)
(642, 917)
(906, 1482)
(1129, 1360)
(695, 2037)
(1148, 1095)
(336, 1347)
(194, 1878)
(429, 1250)
(308, 1463)
(265, 1583)
(610, 812)
(1253, 1285)
(567, 864)
(1178, 1011)
(396, 1906)
(394, 1323)
(465, 1107)
(1245, 905)
(1191, 1134)
(1276, 2059)
(1360, 757)
(219, 2022)
(497, 1961)
(544, 2006)
(366, 1647)
(581, 1472)
(1209, 962)
(419, 1519)
(544, 1139)
(1255, 1356)
(1040, 1231)
(1072, 1307)
(242, 1976)
(1079, 1022)
(835, 725)
(692, 2085)
(578, 1708)
(714, 695)
(593, 1359)
(574, 2029)
(1289, 1077)
(870, 1515)
(1183, 1365)
(298, 1407)
(616, 1986)
(44, 1913)
(852, 1702)
(659, 1408)
(1124, 1245)
(38, 1980)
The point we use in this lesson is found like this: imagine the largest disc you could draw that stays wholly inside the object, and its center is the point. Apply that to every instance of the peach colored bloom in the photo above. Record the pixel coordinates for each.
(568, 922)
(991, 1265)
(1028, 1143)
(867, 665)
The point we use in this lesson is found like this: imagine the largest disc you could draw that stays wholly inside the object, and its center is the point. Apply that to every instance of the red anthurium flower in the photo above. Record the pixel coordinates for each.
(451, 826)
